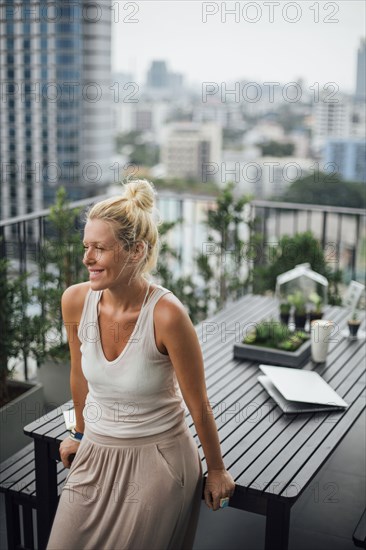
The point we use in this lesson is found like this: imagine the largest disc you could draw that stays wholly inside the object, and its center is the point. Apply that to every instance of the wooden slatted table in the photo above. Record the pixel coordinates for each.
(272, 456)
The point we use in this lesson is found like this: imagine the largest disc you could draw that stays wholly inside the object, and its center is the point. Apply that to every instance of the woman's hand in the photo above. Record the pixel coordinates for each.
(68, 447)
(219, 484)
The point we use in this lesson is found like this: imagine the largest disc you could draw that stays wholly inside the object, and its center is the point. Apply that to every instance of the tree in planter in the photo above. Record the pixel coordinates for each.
(18, 329)
(196, 300)
(60, 265)
(223, 242)
(224, 247)
(9, 346)
(21, 402)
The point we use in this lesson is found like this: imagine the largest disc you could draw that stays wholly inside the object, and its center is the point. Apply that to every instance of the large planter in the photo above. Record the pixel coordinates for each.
(55, 378)
(18, 413)
(273, 356)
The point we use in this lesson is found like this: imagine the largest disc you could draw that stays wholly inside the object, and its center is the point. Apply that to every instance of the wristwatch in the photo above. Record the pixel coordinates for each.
(77, 436)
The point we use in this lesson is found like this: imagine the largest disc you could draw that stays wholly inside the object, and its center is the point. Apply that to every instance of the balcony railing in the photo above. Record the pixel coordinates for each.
(341, 231)
(22, 237)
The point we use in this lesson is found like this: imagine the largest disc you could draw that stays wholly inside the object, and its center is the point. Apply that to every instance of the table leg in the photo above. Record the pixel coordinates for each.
(12, 522)
(277, 525)
(46, 490)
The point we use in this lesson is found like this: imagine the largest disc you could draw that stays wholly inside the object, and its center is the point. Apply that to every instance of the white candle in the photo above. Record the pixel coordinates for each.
(321, 331)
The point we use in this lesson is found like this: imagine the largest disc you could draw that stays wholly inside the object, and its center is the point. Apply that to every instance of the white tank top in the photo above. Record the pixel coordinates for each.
(137, 394)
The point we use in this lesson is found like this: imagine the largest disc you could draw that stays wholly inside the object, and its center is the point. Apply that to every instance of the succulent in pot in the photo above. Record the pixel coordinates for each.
(285, 308)
(353, 325)
(298, 301)
(316, 311)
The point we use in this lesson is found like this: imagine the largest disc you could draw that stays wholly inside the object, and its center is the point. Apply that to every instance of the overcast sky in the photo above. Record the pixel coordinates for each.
(320, 45)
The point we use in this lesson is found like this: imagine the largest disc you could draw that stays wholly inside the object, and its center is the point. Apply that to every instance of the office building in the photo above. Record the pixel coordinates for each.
(347, 157)
(262, 177)
(157, 76)
(55, 102)
(343, 117)
(192, 151)
(161, 83)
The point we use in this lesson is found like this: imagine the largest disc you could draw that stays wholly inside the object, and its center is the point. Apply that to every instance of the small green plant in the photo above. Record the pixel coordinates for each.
(354, 323)
(285, 308)
(291, 344)
(273, 334)
(298, 301)
(355, 318)
(317, 302)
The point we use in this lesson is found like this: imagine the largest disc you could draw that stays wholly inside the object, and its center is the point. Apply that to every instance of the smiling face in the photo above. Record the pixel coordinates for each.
(106, 259)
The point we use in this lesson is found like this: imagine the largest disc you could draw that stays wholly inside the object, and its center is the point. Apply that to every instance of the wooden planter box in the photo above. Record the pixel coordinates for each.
(18, 413)
(273, 356)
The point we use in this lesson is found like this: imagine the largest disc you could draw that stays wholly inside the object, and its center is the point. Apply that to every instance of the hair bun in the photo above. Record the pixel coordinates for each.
(142, 193)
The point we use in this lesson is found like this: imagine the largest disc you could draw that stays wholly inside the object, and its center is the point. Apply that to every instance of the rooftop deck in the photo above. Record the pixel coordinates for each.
(326, 514)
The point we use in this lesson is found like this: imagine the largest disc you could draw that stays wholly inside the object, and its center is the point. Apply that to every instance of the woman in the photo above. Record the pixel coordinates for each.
(136, 480)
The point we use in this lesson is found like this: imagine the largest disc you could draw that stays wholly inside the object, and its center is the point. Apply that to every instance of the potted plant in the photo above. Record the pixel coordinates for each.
(316, 311)
(353, 325)
(272, 334)
(274, 343)
(21, 402)
(60, 265)
(298, 301)
(285, 308)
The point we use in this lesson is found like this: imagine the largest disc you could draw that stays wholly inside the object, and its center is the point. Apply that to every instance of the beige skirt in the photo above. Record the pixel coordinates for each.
(130, 494)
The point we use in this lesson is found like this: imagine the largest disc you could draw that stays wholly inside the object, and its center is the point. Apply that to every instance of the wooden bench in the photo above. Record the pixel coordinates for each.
(359, 534)
(17, 482)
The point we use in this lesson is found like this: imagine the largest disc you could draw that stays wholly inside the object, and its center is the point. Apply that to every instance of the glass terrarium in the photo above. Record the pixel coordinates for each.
(303, 291)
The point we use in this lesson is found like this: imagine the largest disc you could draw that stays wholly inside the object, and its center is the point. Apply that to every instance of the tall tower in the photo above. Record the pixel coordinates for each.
(157, 76)
(361, 71)
(55, 103)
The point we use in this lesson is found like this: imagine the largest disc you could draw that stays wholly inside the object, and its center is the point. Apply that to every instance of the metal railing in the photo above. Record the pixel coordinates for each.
(341, 231)
(22, 237)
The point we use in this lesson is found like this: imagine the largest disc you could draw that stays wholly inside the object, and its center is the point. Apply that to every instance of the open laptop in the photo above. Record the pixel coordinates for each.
(296, 390)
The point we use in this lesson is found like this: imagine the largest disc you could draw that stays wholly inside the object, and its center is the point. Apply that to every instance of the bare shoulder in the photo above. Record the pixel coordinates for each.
(175, 333)
(170, 312)
(73, 300)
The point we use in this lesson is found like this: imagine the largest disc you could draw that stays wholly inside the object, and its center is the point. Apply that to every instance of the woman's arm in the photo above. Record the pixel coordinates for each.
(175, 331)
(72, 305)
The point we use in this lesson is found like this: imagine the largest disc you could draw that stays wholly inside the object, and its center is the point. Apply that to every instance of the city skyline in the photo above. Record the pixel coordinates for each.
(185, 35)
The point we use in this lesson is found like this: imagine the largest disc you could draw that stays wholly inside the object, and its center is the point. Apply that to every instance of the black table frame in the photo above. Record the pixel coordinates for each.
(272, 462)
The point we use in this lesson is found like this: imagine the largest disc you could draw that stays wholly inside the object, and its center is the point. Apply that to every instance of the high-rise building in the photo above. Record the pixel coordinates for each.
(361, 71)
(192, 151)
(55, 106)
(157, 76)
(340, 117)
(347, 158)
(161, 83)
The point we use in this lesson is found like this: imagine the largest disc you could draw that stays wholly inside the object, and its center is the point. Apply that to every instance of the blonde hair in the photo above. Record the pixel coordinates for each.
(131, 217)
